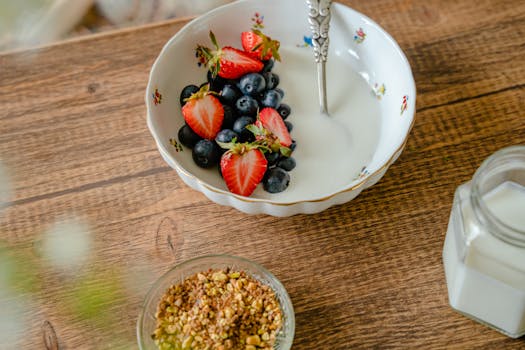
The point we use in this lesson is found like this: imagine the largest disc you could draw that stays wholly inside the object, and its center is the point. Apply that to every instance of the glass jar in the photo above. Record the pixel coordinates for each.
(484, 250)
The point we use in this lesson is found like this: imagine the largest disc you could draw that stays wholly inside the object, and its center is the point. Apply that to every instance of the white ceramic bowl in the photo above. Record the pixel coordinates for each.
(371, 99)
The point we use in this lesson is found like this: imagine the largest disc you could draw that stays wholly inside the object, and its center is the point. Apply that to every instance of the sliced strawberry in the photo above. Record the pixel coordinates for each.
(243, 168)
(260, 46)
(251, 43)
(273, 122)
(204, 113)
(235, 63)
(267, 140)
(228, 62)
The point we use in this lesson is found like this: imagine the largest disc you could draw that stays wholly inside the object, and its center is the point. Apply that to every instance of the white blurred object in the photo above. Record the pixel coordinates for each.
(67, 245)
(197, 7)
(27, 23)
(35, 22)
(14, 320)
(5, 186)
(127, 12)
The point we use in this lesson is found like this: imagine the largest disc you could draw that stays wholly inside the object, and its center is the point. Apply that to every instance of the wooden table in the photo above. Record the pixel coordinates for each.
(367, 274)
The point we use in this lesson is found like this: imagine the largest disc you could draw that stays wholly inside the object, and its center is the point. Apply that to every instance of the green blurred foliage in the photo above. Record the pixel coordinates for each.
(95, 296)
(18, 271)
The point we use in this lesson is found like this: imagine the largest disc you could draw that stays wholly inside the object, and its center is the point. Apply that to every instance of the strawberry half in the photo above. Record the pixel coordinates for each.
(243, 168)
(204, 113)
(266, 140)
(260, 46)
(272, 121)
(228, 62)
(235, 63)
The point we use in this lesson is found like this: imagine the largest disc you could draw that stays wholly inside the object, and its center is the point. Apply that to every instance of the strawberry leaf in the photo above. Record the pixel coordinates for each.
(285, 151)
(210, 58)
(257, 131)
(256, 47)
(204, 90)
(276, 55)
(214, 40)
(268, 45)
(228, 145)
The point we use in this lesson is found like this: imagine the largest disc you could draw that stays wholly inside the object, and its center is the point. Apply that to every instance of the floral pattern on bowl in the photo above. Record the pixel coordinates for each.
(404, 104)
(379, 90)
(157, 97)
(359, 36)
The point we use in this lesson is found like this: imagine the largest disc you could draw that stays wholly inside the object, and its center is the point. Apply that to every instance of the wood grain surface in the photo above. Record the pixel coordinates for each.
(368, 274)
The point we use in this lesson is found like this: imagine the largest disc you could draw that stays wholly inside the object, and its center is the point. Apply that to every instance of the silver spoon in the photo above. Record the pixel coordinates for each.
(319, 19)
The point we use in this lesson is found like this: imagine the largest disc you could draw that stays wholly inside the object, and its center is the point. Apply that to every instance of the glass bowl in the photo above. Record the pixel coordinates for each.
(147, 322)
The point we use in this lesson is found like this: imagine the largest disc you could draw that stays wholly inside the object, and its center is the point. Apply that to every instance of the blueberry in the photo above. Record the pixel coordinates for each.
(226, 135)
(280, 91)
(287, 163)
(289, 125)
(252, 84)
(276, 180)
(271, 98)
(188, 137)
(293, 145)
(229, 94)
(230, 115)
(217, 82)
(206, 153)
(284, 110)
(272, 80)
(239, 127)
(272, 158)
(268, 65)
(247, 105)
(187, 92)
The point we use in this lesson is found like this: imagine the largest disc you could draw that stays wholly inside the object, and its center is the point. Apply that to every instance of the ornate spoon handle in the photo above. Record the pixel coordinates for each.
(319, 19)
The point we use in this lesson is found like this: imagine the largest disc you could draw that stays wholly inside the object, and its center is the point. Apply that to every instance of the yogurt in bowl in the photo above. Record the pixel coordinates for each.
(332, 150)
(371, 99)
